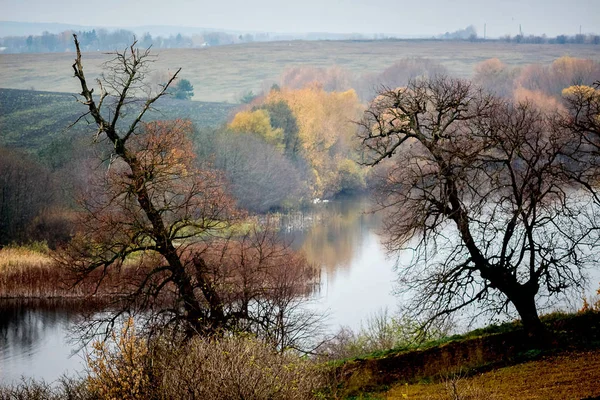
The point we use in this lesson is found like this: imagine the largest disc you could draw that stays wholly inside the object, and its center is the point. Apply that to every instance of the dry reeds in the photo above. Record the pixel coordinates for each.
(30, 272)
(25, 272)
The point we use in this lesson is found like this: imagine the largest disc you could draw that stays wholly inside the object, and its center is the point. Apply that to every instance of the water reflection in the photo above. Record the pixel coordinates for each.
(357, 278)
(356, 281)
(34, 340)
(335, 233)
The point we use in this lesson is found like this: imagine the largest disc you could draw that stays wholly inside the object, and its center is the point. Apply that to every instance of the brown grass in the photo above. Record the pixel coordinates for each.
(28, 273)
(224, 73)
(32, 273)
(567, 376)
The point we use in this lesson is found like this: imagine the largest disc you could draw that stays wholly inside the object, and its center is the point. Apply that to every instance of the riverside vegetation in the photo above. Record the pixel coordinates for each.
(491, 363)
(158, 231)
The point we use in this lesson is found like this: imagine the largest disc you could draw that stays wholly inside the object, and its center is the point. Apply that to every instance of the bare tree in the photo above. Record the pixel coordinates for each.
(476, 189)
(156, 213)
(583, 105)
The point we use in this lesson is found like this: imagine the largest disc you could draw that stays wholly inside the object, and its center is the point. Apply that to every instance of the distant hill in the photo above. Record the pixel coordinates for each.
(10, 28)
(31, 120)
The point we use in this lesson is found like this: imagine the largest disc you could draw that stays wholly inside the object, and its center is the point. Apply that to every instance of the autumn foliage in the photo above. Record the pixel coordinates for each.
(326, 131)
(540, 84)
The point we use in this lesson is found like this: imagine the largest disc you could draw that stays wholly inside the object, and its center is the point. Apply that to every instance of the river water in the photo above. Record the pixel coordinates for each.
(356, 281)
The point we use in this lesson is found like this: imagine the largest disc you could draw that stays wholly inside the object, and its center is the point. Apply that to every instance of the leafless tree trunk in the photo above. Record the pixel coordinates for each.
(476, 187)
(155, 212)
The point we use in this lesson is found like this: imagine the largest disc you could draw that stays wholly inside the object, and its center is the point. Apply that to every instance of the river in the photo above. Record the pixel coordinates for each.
(357, 281)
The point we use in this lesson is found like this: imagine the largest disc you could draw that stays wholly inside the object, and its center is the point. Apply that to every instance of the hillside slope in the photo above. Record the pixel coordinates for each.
(31, 120)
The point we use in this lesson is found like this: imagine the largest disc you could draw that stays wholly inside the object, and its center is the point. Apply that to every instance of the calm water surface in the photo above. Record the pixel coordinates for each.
(356, 281)
(34, 340)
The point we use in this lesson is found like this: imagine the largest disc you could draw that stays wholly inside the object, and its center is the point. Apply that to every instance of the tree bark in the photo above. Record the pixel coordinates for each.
(524, 302)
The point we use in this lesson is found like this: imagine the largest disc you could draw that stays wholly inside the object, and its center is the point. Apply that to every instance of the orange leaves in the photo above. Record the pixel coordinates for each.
(537, 97)
(161, 169)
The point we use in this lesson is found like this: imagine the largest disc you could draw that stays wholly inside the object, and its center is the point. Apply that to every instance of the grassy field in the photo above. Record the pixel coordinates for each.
(224, 73)
(31, 120)
(496, 362)
(574, 375)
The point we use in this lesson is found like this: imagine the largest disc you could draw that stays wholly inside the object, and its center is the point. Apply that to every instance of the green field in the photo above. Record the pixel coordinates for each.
(31, 120)
(224, 73)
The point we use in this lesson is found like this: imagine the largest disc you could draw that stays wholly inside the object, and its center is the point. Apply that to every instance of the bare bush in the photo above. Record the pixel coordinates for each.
(459, 387)
(261, 178)
(496, 77)
(398, 75)
(238, 368)
(562, 73)
(26, 191)
(332, 79)
(64, 389)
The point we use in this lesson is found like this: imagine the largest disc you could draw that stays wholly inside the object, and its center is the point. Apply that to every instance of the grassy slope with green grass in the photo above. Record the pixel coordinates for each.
(489, 359)
(32, 120)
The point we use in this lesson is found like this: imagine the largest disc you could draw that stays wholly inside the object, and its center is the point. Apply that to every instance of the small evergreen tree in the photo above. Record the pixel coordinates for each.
(183, 90)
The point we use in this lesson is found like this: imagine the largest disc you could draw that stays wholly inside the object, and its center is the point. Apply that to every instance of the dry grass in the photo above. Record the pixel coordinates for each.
(27, 272)
(224, 73)
(22, 257)
(568, 376)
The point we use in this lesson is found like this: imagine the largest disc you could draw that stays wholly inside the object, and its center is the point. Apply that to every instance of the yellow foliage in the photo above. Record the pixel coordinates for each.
(581, 92)
(118, 367)
(591, 304)
(257, 122)
(569, 66)
(326, 128)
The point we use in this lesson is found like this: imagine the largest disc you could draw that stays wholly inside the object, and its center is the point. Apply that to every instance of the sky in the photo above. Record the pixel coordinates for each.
(401, 17)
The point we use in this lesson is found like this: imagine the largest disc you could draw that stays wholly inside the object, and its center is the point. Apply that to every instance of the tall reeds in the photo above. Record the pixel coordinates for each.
(30, 272)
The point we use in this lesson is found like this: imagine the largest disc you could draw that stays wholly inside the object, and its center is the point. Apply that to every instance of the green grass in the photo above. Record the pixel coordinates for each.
(554, 321)
(33, 120)
(224, 73)
(490, 349)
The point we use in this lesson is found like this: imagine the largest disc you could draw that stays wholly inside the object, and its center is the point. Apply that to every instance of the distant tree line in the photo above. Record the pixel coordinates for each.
(560, 39)
(470, 33)
(104, 40)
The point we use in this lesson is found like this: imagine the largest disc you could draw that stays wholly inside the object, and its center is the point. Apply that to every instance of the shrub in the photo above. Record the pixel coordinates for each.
(120, 367)
(127, 366)
(238, 368)
(64, 389)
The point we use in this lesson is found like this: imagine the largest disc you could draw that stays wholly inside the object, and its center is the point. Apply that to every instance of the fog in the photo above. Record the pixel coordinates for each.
(402, 17)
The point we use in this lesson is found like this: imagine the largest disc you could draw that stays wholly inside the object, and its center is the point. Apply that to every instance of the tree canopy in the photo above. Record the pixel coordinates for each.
(154, 211)
(478, 190)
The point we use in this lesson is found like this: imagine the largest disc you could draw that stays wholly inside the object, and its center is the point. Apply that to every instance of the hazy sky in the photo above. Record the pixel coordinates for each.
(404, 17)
